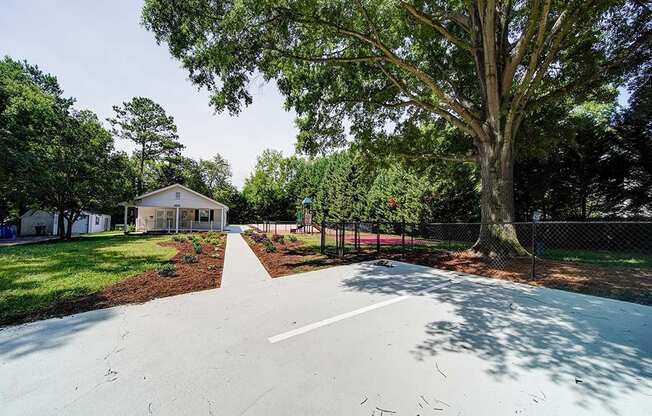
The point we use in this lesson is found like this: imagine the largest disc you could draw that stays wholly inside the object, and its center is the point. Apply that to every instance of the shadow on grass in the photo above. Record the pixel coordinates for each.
(599, 348)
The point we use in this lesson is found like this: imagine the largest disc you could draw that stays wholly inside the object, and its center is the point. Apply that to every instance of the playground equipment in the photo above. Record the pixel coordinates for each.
(304, 217)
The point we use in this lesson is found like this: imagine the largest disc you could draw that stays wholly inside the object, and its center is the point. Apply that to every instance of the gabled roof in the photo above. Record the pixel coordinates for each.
(185, 188)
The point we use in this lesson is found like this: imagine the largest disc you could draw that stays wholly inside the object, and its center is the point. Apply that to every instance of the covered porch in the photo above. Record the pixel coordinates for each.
(176, 219)
(173, 209)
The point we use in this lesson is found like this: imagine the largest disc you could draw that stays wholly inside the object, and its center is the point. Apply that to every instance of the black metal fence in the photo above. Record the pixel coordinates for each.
(544, 245)
(600, 244)
(284, 227)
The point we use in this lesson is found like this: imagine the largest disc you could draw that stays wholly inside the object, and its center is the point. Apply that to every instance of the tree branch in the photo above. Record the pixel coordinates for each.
(430, 21)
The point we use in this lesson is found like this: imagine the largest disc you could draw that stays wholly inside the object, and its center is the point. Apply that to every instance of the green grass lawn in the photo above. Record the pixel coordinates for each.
(601, 258)
(34, 276)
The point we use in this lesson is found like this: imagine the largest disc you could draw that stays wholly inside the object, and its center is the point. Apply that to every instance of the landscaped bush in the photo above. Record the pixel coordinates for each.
(259, 238)
(189, 258)
(129, 229)
(167, 270)
(180, 238)
(292, 238)
(270, 247)
(277, 238)
(211, 235)
(196, 246)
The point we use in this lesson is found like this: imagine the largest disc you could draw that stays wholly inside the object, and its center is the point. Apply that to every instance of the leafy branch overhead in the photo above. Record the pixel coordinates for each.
(383, 67)
(477, 65)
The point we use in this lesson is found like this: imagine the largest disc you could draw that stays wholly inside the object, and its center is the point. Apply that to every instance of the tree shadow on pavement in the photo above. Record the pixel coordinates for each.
(22, 340)
(598, 347)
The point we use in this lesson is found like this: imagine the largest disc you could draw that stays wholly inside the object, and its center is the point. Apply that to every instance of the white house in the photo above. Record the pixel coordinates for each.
(39, 222)
(176, 208)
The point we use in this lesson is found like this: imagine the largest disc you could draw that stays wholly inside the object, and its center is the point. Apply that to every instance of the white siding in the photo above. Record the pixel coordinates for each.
(36, 218)
(50, 221)
(99, 223)
(167, 198)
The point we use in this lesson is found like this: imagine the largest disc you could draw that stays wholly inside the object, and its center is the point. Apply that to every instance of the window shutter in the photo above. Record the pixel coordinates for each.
(196, 215)
(212, 214)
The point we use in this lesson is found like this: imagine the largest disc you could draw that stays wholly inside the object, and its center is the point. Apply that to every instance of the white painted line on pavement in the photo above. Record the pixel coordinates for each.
(315, 325)
(347, 315)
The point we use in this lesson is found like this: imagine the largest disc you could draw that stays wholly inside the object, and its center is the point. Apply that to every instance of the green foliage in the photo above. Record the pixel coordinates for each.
(278, 238)
(187, 258)
(180, 238)
(292, 238)
(391, 70)
(167, 270)
(145, 123)
(196, 246)
(268, 187)
(269, 247)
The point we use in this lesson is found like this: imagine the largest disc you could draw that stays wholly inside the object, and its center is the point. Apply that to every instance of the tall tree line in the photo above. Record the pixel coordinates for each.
(594, 162)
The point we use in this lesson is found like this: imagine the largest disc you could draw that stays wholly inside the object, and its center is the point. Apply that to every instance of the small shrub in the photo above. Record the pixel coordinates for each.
(277, 238)
(167, 270)
(189, 258)
(215, 255)
(212, 267)
(129, 229)
(212, 235)
(196, 246)
(270, 247)
(259, 238)
(180, 238)
(292, 238)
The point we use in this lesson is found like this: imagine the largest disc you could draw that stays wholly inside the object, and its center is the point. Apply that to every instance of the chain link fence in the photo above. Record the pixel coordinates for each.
(541, 245)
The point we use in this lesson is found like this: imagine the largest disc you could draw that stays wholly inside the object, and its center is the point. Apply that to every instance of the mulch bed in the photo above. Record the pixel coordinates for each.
(295, 257)
(632, 285)
(206, 273)
(628, 284)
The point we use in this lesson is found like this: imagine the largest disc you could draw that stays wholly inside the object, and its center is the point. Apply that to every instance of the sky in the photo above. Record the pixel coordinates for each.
(102, 56)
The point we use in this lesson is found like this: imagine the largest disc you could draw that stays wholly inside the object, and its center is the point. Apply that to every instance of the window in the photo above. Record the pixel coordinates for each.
(204, 215)
(178, 196)
(97, 220)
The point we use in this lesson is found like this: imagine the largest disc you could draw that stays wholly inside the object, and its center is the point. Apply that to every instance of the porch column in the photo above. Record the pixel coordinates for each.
(222, 222)
(177, 221)
(125, 222)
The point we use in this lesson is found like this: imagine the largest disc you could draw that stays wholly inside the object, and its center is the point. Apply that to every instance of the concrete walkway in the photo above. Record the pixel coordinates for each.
(241, 266)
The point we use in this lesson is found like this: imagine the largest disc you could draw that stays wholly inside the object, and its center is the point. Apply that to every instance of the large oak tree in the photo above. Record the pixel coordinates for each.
(479, 66)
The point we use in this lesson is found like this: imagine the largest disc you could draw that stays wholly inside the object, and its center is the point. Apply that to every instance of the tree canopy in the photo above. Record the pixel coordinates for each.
(385, 67)
(146, 123)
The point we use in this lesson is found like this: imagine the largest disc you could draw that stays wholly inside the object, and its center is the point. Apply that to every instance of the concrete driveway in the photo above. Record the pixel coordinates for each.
(351, 340)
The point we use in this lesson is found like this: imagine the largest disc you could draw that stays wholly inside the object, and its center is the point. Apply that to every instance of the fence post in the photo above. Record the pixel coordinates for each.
(356, 236)
(323, 237)
(534, 245)
(342, 238)
(403, 239)
(378, 236)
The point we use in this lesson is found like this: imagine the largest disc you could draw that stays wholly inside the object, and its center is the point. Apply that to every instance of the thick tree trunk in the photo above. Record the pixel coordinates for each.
(61, 228)
(497, 233)
(69, 230)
